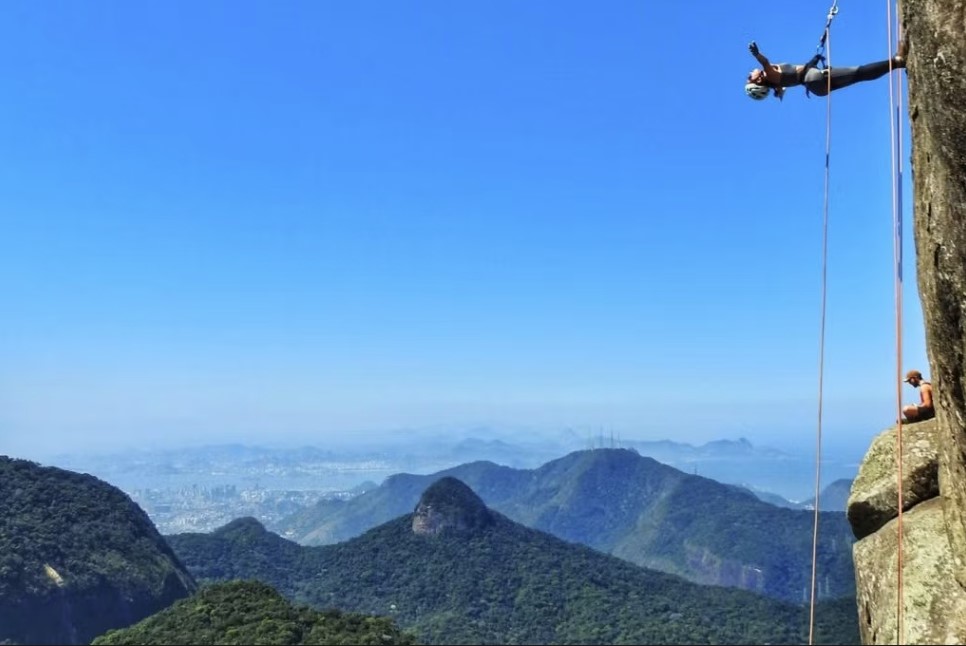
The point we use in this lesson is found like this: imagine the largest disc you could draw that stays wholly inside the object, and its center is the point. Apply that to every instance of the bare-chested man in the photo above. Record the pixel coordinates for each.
(925, 409)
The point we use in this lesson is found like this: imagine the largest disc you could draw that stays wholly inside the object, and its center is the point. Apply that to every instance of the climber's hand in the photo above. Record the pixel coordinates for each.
(753, 48)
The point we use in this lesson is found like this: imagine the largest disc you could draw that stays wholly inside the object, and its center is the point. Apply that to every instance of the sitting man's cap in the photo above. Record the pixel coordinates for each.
(913, 374)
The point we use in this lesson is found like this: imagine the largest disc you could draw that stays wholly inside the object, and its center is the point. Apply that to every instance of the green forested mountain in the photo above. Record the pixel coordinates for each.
(250, 612)
(456, 572)
(633, 507)
(331, 521)
(77, 557)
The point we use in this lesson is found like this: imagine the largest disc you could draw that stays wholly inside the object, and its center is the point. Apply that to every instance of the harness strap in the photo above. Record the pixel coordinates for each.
(820, 50)
(818, 62)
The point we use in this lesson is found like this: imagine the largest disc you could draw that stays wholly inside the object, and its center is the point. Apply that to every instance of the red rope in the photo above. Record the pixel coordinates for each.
(895, 88)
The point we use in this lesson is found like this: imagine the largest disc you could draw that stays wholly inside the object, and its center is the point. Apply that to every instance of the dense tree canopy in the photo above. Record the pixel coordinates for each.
(249, 612)
(77, 557)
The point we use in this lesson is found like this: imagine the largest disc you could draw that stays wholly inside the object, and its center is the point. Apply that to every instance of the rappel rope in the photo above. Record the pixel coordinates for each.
(895, 105)
(895, 109)
(824, 51)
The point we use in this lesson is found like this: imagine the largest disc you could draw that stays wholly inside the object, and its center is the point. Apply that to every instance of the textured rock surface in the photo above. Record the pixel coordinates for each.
(448, 505)
(934, 603)
(874, 498)
(937, 110)
(934, 546)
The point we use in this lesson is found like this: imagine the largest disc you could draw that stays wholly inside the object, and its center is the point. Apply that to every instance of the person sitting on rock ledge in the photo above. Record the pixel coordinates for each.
(925, 410)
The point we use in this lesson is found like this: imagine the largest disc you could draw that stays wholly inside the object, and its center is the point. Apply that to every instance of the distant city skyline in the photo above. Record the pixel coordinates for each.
(266, 223)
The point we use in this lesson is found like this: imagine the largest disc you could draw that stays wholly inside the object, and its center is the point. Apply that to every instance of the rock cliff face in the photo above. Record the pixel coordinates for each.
(934, 603)
(934, 525)
(937, 109)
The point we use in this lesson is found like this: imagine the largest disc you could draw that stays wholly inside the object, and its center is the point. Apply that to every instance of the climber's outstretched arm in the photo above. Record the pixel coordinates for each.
(772, 74)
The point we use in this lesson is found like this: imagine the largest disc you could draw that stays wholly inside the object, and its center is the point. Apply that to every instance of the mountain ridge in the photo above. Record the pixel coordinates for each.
(502, 582)
(631, 506)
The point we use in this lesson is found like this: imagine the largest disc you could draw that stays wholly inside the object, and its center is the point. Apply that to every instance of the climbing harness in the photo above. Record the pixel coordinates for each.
(818, 60)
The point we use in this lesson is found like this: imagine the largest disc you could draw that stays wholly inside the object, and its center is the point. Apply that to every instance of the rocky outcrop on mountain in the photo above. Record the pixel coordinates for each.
(874, 499)
(933, 602)
(77, 557)
(448, 505)
(933, 527)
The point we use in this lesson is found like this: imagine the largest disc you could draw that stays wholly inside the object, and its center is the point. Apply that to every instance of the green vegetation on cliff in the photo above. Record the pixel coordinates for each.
(77, 557)
(249, 612)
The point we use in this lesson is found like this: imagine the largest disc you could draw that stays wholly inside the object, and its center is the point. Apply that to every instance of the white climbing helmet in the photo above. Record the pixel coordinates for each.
(755, 91)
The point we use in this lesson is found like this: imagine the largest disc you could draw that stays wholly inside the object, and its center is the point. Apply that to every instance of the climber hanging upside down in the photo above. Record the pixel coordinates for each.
(775, 78)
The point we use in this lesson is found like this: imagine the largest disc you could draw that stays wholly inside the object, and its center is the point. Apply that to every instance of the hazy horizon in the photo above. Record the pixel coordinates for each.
(800, 441)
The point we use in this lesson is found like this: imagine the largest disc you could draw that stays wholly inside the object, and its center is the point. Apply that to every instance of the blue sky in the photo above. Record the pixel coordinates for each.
(296, 220)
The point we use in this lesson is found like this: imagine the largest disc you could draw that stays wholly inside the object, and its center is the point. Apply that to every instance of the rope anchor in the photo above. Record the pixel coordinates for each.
(832, 12)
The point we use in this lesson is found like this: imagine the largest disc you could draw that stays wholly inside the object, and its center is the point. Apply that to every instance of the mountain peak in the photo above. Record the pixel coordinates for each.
(449, 505)
(246, 525)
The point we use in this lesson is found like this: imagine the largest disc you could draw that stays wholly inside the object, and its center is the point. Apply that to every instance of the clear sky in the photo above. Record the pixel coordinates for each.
(272, 220)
